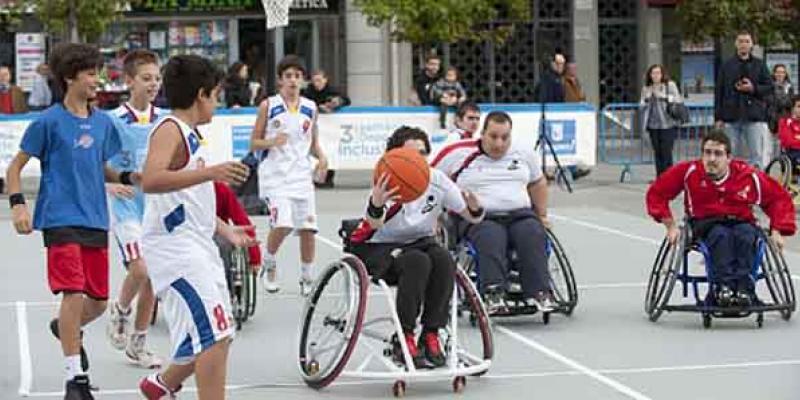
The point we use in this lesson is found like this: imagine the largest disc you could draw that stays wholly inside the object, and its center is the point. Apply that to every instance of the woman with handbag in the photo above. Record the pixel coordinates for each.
(660, 96)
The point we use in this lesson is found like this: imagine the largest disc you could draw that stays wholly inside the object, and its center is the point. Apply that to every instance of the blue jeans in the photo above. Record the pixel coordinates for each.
(757, 137)
(733, 254)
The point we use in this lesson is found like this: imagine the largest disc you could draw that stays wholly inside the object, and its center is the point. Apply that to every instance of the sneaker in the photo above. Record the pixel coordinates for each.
(725, 296)
(153, 388)
(579, 173)
(431, 349)
(118, 326)
(84, 357)
(495, 302)
(543, 303)
(743, 298)
(78, 388)
(306, 284)
(417, 358)
(136, 353)
(269, 276)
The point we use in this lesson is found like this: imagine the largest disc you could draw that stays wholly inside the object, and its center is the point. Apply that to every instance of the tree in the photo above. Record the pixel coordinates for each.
(771, 21)
(10, 14)
(429, 22)
(78, 19)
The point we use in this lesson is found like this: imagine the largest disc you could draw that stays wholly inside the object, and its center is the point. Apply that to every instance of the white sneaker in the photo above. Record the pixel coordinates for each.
(136, 353)
(544, 305)
(306, 284)
(269, 276)
(118, 326)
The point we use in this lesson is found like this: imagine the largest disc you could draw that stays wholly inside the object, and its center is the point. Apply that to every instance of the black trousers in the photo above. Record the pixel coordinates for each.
(663, 141)
(424, 274)
(520, 231)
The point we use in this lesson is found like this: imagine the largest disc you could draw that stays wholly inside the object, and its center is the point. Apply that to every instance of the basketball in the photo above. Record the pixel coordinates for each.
(407, 170)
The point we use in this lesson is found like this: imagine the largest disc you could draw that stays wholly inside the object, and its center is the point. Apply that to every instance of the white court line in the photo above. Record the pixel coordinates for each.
(25, 369)
(619, 387)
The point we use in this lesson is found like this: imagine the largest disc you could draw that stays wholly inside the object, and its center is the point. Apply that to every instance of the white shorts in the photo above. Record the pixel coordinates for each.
(293, 212)
(128, 235)
(198, 313)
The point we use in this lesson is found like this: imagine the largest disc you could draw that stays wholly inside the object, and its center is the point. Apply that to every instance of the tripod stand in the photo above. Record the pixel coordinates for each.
(546, 145)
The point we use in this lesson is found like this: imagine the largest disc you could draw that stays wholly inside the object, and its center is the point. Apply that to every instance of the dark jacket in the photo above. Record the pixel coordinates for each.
(423, 86)
(550, 89)
(237, 92)
(325, 95)
(730, 105)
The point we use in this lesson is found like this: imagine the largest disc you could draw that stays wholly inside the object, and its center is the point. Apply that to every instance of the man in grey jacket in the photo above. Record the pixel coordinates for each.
(741, 95)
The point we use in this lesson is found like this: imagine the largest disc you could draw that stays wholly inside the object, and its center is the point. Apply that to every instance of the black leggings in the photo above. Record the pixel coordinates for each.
(663, 141)
(423, 272)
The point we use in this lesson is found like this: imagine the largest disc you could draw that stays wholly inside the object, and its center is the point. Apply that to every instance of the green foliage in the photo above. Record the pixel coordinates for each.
(446, 21)
(772, 21)
(11, 14)
(93, 16)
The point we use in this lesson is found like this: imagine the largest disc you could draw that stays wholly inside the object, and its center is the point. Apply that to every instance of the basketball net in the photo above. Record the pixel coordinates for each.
(277, 12)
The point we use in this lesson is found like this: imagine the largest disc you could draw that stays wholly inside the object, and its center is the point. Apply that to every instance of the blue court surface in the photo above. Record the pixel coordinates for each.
(607, 349)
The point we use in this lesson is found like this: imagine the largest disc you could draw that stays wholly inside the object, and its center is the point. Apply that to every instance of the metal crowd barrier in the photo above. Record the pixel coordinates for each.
(623, 141)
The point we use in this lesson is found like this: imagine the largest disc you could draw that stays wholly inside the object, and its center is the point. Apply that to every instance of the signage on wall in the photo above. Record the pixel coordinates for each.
(255, 6)
(30, 52)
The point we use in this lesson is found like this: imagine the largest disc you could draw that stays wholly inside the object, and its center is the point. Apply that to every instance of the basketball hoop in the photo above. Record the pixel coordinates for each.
(277, 12)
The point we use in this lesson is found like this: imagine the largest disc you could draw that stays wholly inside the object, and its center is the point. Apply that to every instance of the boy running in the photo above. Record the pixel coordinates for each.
(134, 119)
(179, 224)
(286, 128)
(72, 141)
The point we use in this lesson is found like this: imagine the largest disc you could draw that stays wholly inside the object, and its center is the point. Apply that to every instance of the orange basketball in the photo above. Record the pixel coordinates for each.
(407, 170)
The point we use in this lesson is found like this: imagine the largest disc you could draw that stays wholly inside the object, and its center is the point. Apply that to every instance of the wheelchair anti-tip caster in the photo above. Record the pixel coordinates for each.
(546, 317)
(459, 383)
(312, 367)
(706, 321)
(399, 389)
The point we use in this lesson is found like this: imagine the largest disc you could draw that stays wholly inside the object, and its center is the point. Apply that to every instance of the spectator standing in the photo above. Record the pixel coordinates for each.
(12, 98)
(781, 102)
(740, 101)
(658, 91)
(427, 79)
(41, 97)
(328, 99)
(237, 88)
(573, 91)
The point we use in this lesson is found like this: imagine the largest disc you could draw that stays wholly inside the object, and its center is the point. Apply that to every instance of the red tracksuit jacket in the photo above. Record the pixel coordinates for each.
(734, 196)
(789, 133)
(229, 209)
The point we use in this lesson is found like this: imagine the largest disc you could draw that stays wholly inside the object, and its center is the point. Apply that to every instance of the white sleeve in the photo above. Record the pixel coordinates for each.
(452, 201)
(533, 165)
(446, 163)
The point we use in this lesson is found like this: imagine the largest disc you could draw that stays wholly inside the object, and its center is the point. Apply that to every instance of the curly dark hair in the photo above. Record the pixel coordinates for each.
(719, 136)
(405, 133)
(69, 59)
(185, 76)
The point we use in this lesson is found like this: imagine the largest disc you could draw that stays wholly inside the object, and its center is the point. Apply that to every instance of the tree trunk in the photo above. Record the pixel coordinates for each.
(72, 22)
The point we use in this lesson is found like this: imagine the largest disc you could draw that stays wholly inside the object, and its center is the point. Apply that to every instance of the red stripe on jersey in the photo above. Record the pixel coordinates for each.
(465, 164)
(453, 147)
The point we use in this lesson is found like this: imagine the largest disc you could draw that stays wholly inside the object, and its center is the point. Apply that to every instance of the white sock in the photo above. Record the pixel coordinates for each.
(72, 366)
(123, 311)
(305, 270)
(269, 258)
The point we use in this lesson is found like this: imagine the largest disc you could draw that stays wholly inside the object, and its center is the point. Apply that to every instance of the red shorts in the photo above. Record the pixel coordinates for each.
(72, 267)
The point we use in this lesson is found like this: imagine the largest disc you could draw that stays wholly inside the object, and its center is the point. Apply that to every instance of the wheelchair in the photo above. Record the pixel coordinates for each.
(337, 325)
(562, 278)
(782, 170)
(672, 265)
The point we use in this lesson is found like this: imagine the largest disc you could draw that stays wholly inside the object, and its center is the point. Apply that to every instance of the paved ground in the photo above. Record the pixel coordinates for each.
(606, 350)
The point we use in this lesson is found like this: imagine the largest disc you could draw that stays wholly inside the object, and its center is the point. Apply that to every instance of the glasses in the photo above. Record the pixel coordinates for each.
(714, 152)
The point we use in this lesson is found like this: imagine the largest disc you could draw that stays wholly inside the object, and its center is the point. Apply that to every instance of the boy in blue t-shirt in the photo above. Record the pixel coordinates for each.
(134, 120)
(72, 141)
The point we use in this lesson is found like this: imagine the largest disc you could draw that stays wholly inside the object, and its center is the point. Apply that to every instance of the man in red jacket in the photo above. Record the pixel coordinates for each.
(230, 210)
(719, 196)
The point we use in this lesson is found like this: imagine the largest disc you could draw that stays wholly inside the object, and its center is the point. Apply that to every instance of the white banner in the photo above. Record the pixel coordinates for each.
(30, 52)
(354, 139)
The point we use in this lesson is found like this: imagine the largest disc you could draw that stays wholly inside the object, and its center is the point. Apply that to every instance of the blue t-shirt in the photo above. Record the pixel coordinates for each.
(72, 152)
(134, 132)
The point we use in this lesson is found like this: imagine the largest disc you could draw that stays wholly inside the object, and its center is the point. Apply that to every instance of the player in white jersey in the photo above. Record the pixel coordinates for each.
(510, 184)
(396, 243)
(179, 223)
(286, 130)
(134, 120)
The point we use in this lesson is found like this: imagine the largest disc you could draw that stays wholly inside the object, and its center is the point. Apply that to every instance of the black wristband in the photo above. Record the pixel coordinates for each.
(374, 211)
(476, 213)
(16, 198)
(125, 178)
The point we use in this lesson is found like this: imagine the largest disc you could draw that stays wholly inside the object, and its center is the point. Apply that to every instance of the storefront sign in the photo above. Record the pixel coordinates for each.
(30, 52)
(164, 6)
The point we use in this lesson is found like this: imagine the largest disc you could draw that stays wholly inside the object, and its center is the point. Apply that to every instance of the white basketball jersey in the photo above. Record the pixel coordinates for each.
(288, 170)
(179, 226)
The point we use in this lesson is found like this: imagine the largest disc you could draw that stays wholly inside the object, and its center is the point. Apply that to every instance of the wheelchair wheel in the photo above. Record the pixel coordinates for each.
(473, 347)
(780, 169)
(332, 319)
(778, 279)
(562, 278)
(663, 276)
(238, 290)
(251, 283)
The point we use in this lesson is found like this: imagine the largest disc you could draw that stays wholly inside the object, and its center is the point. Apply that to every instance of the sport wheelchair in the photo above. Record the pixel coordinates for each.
(562, 278)
(672, 264)
(782, 170)
(336, 326)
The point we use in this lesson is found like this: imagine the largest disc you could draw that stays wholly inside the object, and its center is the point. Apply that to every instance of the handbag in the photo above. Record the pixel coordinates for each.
(679, 112)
